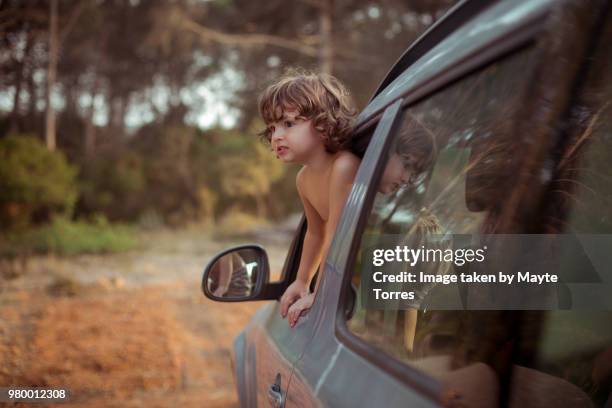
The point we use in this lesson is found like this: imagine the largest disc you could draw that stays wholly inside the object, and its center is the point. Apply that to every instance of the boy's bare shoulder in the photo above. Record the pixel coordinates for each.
(345, 166)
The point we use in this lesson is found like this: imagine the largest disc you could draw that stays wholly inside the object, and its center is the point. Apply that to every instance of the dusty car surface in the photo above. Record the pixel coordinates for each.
(514, 99)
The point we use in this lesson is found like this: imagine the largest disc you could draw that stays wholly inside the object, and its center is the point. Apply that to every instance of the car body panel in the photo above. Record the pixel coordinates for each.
(240, 367)
(336, 375)
(268, 347)
(267, 350)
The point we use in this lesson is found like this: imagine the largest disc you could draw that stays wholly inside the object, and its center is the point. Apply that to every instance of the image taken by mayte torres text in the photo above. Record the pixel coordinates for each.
(488, 272)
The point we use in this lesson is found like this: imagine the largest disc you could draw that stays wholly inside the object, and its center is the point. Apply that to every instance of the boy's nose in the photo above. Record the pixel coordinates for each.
(277, 135)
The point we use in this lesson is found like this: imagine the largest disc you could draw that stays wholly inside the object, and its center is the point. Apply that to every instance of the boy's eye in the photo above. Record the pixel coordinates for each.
(288, 123)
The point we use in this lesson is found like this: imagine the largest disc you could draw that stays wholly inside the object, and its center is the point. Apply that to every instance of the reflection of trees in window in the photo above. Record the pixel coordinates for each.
(582, 193)
(473, 125)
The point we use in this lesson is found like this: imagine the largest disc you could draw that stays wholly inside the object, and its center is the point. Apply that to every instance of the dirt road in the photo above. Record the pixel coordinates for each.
(125, 330)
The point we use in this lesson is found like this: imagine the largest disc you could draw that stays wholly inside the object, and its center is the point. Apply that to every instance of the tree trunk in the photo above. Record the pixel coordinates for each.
(326, 58)
(13, 126)
(32, 90)
(116, 116)
(90, 129)
(51, 76)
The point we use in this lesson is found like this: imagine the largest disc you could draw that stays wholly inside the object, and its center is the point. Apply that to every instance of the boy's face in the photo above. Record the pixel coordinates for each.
(394, 176)
(294, 139)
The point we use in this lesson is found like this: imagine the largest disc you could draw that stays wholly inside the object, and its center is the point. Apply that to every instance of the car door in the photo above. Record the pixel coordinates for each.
(267, 349)
(490, 105)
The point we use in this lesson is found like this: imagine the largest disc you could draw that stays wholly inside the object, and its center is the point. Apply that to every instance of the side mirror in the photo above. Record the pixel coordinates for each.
(237, 274)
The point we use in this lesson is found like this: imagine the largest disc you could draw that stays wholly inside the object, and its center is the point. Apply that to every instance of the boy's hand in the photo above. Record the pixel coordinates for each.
(296, 309)
(295, 291)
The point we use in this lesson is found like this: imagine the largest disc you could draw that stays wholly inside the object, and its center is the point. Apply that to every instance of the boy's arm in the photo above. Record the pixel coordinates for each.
(311, 251)
(225, 272)
(315, 232)
(341, 182)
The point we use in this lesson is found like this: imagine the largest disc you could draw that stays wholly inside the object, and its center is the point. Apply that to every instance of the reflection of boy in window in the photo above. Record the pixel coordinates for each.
(411, 158)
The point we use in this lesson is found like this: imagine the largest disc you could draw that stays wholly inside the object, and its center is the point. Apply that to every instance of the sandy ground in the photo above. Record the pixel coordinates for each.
(124, 330)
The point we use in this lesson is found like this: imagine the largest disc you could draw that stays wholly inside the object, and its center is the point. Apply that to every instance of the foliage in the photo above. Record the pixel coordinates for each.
(34, 182)
(133, 78)
(111, 183)
(170, 185)
(65, 237)
(250, 173)
(238, 169)
(182, 174)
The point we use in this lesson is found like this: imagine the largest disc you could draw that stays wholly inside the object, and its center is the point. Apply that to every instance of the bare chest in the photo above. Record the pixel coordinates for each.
(317, 194)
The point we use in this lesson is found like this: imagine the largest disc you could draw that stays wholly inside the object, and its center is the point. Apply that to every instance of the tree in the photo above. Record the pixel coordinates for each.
(51, 74)
(250, 174)
(34, 182)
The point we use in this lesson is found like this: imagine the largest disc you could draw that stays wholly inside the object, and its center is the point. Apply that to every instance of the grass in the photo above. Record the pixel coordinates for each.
(66, 237)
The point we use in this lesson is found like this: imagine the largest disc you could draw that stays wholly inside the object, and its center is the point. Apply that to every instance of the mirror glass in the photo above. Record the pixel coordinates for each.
(234, 275)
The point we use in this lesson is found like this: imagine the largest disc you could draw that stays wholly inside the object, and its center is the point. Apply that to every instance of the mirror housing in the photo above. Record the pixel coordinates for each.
(240, 274)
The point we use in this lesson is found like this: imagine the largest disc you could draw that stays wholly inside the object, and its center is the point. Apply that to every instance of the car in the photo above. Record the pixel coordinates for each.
(512, 102)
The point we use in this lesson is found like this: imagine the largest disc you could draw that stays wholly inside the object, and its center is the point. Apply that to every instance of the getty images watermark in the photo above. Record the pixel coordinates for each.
(487, 272)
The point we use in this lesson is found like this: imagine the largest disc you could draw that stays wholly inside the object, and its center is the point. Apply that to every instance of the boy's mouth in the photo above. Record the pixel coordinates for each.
(280, 150)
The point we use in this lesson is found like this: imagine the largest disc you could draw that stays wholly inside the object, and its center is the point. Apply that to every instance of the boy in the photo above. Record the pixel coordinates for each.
(309, 119)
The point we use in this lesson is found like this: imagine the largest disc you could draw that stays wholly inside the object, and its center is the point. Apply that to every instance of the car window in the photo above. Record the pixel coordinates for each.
(477, 159)
(458, 150)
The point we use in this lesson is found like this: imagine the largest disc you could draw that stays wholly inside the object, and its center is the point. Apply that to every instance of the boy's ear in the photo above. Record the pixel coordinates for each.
(322, 131)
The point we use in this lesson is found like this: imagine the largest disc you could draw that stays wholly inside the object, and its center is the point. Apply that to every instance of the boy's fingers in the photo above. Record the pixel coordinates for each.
(295, 318)
(290, 319)
(293, 314)
(286, 301)
(284, 307)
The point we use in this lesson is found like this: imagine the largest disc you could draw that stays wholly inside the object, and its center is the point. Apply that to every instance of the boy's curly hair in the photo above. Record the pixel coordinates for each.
(317, 97)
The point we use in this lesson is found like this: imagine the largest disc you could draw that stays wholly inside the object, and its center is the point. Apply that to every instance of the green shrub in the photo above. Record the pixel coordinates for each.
(65, 237)
(170, 189)
(112, 183)
(35, 183)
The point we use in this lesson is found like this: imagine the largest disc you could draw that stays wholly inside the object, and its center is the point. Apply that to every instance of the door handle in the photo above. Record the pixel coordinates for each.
(275, 394)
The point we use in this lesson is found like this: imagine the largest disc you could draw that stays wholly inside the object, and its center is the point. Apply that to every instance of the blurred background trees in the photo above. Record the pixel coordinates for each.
(143, 111)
